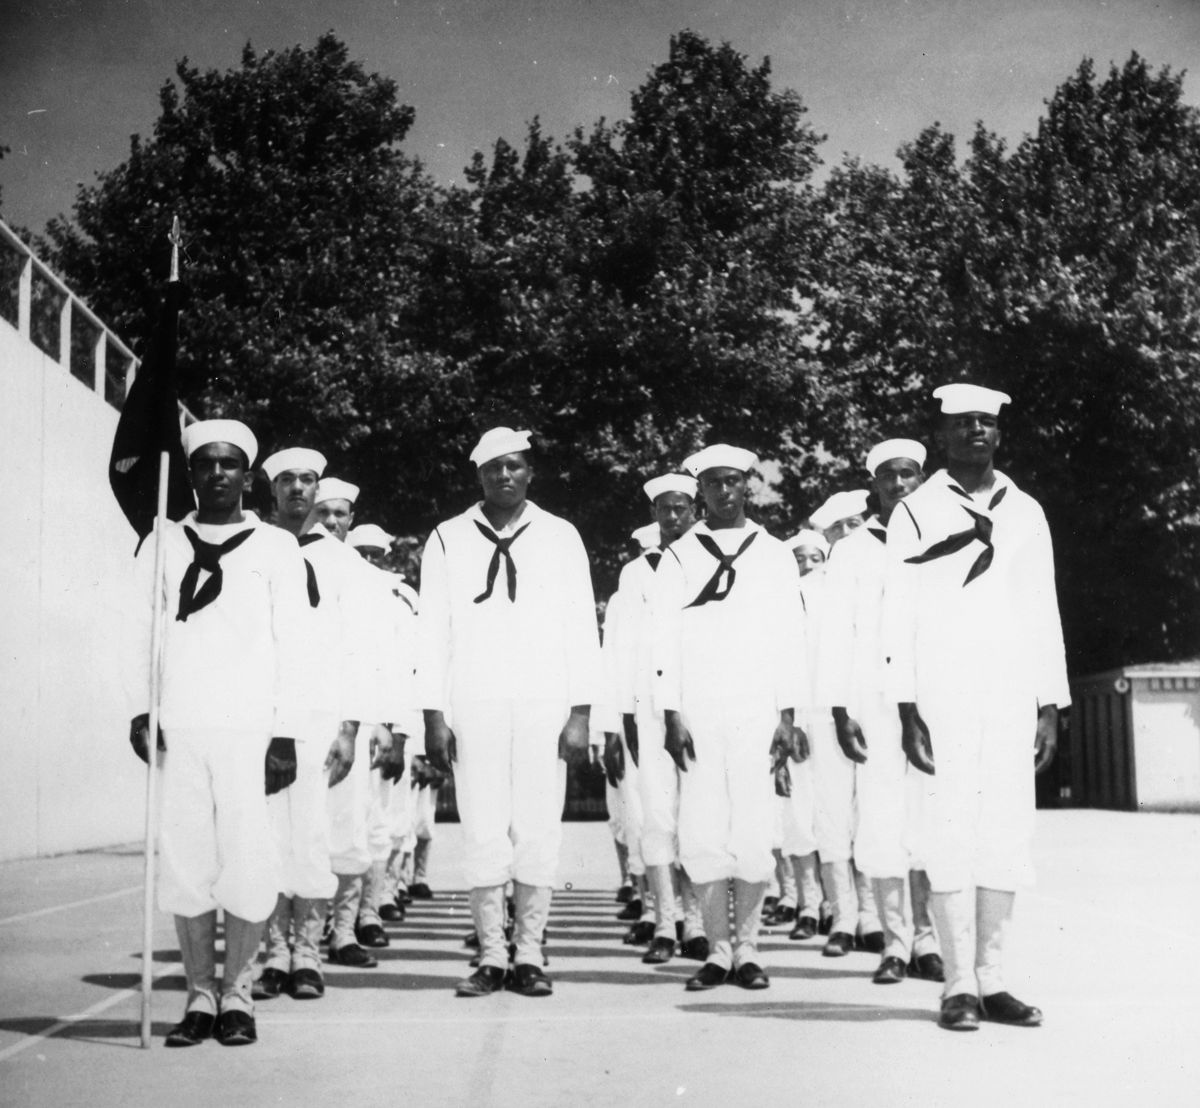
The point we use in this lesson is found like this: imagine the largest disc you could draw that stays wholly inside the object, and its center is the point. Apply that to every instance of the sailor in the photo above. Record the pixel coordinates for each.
(727, 661)
(840, 514)
(508, 666)
(976, 665)
(324, 754)
(868, 728)
(360, 808)
(235, 665)
(798, 843)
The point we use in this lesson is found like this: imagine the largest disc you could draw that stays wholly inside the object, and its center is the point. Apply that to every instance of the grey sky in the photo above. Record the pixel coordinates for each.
(78, 77)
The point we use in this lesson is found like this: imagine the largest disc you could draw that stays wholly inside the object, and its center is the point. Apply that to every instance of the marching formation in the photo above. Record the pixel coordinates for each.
(852, 718)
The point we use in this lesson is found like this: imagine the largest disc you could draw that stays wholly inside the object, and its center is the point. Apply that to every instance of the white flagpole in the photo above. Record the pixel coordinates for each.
(156, 637)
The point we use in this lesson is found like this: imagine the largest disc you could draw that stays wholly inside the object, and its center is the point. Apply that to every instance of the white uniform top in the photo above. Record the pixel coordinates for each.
(997, 635)
(820, 619)
(851, 671)
(397, 650)
(540, 645)
(716, 642)
(244, 661)
(633, 667)
(347, 626)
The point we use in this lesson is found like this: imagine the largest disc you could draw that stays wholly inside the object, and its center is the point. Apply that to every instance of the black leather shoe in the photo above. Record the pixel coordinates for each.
(1006, 1008)
(403, 897)
(624, 894)
(662, 949)
(235, 1028)
(483, 982)
(751, 976)
(695, 948)
(272, 982)
(371, 934)
(891, 971)
(192, 1030)
(420, 891)
(631, 911)
(781, 917)
(639, 934)
(769, 903)
(960, 1012)
(838, 944)
(307, 984)
(806, 928)
(825, 925)
(928, 967)
(709, 976)
(529, 980)
(352, 955)
(472, 940)
(392, 913)
(874, 942)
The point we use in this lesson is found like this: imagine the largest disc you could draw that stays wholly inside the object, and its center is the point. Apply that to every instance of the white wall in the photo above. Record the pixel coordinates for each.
(1166, 748)
(68, 780)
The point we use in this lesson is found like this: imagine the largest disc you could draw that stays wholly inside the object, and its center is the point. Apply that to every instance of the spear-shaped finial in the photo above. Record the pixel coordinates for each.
(175, 239)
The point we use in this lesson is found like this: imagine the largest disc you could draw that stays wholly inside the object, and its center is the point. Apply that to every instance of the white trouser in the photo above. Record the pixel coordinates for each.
(615, 804)
(511, 787)
(381, 795)
(401, 808)
(833, 784)
(881, 792)
(979, 812)
(658, 788)
(631, 813)
(346, 807)
(215, 844)
(300, 829)
(726, 797)
(799, 811)
(423, 803)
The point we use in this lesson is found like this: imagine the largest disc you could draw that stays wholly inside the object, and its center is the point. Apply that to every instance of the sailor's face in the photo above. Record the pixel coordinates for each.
(674, 512)
(336, 516)
(970, 438)
(220, 474)
(373, 554)
(294, 491)
(894, 480)
(724, 492)
(505, 480)
(842, 528)
(809, 558)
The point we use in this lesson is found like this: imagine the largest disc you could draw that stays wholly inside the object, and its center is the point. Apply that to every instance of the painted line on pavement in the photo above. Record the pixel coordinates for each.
(73, 904)
(95, 1010)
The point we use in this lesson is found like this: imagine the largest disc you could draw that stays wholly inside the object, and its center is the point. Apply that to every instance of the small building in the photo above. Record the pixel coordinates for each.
(1134, 739)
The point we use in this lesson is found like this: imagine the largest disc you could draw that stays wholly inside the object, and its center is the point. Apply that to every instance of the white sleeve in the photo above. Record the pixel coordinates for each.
(900, 610)
(433, 630)
(1046, 640)
(667, 597)
(584, 669)
(791, 676)
(292, 629)
(835, 663)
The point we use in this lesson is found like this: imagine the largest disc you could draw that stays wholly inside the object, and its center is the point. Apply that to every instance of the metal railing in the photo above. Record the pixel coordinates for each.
(47, 313)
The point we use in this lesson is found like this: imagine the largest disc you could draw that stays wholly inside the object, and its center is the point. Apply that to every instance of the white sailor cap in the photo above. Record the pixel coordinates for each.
(648, 537)
(961, 397)
(370, 534)
(670, 482)
(720, 456)
(334, 488)
(808, 537)
(204, 431)
(296, 458)
(841, 505)
(895, 448)
(497, 442)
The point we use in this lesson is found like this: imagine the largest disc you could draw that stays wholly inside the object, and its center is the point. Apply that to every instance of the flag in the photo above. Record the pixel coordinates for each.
(149, 424)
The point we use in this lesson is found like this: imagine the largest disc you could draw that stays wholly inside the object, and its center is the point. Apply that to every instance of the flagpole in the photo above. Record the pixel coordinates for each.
(156, 636)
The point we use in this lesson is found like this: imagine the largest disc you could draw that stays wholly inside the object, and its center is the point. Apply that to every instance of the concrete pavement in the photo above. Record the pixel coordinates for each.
(1103, 945)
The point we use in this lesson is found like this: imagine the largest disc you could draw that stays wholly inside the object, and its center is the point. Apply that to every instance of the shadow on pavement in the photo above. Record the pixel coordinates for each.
(798, 1010)
(104, 1032)
(167, 984)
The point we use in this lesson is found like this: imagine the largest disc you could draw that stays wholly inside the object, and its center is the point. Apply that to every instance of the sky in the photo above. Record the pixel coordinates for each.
(79, 77)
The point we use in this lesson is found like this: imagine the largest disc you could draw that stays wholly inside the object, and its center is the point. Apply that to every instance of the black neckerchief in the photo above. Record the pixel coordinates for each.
(314, 593)
(721, 582)
(981, 530)
(206, 556)
(502, 551)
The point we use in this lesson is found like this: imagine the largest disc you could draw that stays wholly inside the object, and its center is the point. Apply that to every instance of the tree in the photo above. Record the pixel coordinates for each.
(303, 222)
(1065, 274)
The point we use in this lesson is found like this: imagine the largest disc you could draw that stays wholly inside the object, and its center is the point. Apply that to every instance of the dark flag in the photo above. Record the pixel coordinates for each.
(149, 424)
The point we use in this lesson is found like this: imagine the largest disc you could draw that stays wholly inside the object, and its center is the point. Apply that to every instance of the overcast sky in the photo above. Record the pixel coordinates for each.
(78, 77)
